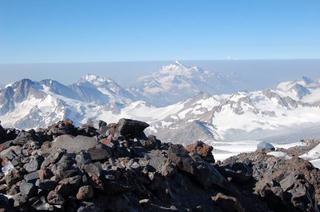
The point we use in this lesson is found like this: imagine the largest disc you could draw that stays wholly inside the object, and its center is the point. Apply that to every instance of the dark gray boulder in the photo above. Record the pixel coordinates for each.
(237, 172)
(129, 128)
(100, 153)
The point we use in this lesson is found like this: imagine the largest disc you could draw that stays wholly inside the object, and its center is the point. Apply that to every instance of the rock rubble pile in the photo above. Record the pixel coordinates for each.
(118, 168)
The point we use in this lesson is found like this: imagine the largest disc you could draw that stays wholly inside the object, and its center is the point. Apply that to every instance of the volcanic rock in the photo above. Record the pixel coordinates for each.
(73, 144)
(64, 127)
(237, 172)
(151, 143)
(85, 192)
(28, 189)
(100, 153)
(55, 198)
(34, 164)
(31, 177)
(202, 149)
(286, 185)
(131, 128)
(69, 168)
(202, 172)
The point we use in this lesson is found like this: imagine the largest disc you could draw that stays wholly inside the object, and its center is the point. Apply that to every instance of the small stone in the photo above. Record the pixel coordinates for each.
(3, 188)
(44, 174)
(33, 164)
(69, 186)
(83, 158)
(47, 184)
(19, 200)
(135, 165)
(13, 190)
(53, 158)
(99, 153)
(55, 198)
(85, 192)
(31, 177)
(12, 177)
(28, 189)
(92, 169)
(151, 143)
(42, 205)
(108, 142)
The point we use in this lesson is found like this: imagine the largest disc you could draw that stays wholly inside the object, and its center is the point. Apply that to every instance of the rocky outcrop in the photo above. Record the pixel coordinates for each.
(286, 184)
(118, 168)
(202, 149)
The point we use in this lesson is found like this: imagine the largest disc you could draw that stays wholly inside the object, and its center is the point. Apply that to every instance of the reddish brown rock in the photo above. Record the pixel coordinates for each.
(85, 192)
(202, 149)
(107, 141)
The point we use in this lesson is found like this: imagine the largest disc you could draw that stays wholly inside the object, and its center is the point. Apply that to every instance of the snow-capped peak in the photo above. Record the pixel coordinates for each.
(177, 82)
(100, 82)
(178, 69)
(178, 63)
(95, 79)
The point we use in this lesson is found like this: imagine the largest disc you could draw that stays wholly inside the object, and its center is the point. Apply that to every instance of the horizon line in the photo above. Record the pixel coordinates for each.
(153, 61)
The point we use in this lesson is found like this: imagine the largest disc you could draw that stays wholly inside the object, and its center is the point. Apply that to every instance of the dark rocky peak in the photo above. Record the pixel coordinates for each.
(60, 89)
(88, 93)
(105, 86)
(6, 96)
(24, 87)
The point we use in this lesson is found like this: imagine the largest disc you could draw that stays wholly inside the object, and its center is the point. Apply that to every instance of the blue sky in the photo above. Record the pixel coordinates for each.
(40, 31)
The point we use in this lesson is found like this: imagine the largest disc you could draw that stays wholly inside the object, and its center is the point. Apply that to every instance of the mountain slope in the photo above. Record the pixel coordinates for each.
(292, 106)
(28, 104)
(246, 115)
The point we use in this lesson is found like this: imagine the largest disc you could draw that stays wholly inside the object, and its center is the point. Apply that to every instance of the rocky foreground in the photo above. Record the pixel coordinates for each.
(118, 168)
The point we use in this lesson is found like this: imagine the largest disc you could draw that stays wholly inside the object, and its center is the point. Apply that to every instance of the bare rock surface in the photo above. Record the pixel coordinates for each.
(73, 144)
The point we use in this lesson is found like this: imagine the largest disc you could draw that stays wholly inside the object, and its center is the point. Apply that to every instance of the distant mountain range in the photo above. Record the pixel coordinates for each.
(178, 101)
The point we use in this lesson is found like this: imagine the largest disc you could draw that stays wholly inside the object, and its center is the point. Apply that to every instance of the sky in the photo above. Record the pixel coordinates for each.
(80, 31)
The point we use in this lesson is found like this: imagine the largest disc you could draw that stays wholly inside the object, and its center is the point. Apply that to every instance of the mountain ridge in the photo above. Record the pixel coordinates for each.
(238, 115)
